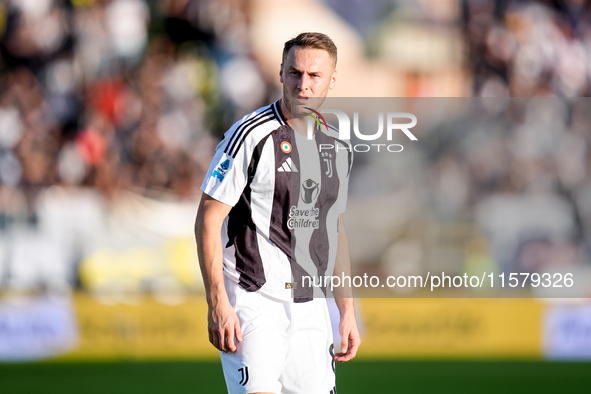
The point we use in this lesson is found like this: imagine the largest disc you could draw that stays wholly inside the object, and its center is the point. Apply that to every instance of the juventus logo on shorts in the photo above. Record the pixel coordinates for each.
(244, 375)
(331, 352)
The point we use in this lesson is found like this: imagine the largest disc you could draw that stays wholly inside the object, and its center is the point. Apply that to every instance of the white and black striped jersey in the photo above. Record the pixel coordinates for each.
(286, 195)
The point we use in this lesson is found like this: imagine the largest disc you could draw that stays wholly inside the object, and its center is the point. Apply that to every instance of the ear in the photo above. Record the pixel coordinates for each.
(333, 79)
(281, 73)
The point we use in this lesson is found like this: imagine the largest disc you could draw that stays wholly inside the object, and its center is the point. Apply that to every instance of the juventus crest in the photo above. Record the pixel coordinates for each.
(327, 158)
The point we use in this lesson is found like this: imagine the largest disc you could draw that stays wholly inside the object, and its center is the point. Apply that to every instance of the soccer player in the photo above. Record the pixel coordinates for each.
(272, 213)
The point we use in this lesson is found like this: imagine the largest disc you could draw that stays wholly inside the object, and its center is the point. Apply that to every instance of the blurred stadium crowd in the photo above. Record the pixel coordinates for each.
(109, 96)
(103, 97)
(529, 48)
(520, 168)
(118, 94)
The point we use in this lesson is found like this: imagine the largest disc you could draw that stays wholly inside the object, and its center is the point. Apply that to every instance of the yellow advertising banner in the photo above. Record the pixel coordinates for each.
(451, 328)
(391, 328)
(142, 328)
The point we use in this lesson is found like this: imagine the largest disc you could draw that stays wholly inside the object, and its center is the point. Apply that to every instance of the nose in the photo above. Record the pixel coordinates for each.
(304, 82)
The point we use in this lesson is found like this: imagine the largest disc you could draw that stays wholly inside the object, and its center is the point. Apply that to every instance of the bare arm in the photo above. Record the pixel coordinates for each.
(223, 324)
(344, 299)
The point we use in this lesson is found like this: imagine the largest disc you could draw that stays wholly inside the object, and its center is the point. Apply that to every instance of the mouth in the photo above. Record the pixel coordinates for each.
(301, 99)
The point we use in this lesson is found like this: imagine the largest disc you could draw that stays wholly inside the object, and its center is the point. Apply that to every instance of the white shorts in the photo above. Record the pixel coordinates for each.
(287, 347)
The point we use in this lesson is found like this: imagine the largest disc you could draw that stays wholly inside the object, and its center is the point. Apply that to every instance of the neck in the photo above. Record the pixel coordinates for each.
(285, 110)
(298, 124)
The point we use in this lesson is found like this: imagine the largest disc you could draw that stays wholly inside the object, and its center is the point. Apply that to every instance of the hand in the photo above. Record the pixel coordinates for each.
(350, 338)
(223, 325)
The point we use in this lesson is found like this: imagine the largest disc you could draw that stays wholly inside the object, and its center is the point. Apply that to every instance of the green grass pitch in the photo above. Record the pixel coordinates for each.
(354, 377)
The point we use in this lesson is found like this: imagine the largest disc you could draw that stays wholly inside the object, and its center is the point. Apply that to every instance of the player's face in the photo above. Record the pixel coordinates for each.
(306, 73)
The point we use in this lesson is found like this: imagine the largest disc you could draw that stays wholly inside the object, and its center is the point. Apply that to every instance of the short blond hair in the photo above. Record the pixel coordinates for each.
(311, 40)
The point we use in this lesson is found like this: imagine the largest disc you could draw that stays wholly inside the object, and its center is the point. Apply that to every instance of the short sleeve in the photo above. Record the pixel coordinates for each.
(227, 175)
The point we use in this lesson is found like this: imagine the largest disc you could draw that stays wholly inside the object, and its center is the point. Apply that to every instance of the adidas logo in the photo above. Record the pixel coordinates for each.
(287, 166)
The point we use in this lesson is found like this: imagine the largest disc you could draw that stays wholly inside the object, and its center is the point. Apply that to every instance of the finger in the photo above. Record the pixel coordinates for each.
(210, 336)
(222, 341)
(353, 349)
(344, 346)
(230, 340)
(238, 331)
(350, 354)
(340, 357)
(215, 340)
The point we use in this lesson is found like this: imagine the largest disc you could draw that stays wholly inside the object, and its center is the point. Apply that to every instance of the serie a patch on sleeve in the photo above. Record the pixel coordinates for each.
(223, 168)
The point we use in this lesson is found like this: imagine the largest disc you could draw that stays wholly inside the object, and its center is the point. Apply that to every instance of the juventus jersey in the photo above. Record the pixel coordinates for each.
(286, 193)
